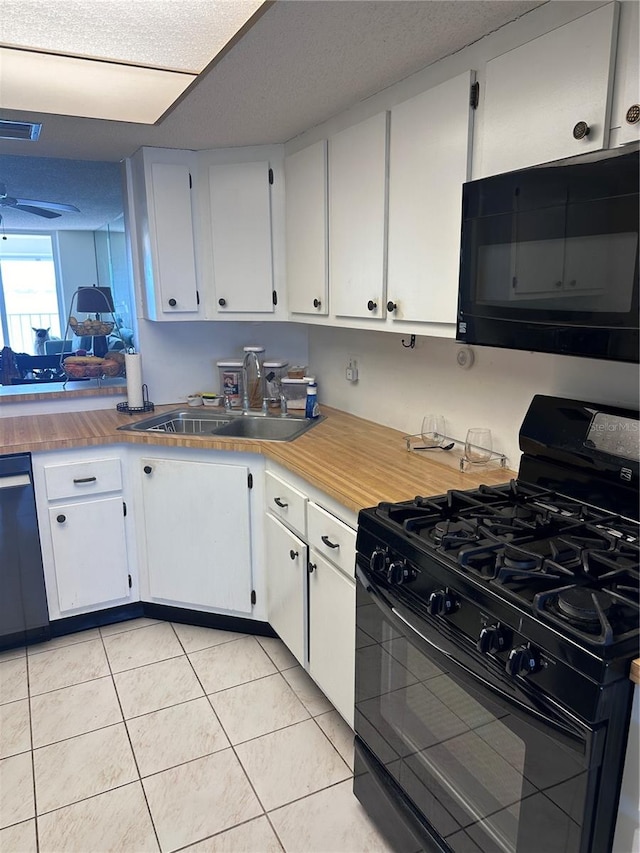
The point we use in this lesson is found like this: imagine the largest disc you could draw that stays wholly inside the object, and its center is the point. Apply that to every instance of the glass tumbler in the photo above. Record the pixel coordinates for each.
(432, 432)
(477, 447)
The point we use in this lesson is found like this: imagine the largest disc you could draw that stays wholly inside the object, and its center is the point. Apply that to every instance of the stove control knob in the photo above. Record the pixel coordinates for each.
(442, 603)
(378, 560)
(399, 572)
(492, 639)
(523, 660)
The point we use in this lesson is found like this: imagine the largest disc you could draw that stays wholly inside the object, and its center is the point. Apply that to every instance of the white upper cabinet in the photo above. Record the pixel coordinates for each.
(163, 223)
(539, 98)
(306, 229)
(625, 115)
(240, 234)
(357, 219)
(428, 163)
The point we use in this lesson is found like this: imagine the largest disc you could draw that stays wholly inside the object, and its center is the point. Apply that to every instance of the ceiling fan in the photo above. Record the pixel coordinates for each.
(48, 209)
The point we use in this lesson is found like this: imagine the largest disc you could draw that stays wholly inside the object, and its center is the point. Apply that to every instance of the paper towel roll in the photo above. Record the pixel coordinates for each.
(133, 366)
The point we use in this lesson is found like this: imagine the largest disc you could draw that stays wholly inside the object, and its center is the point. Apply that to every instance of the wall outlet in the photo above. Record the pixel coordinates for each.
(351, 372)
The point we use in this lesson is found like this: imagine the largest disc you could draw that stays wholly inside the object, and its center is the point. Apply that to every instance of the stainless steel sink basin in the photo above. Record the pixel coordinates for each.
(190, 421)
(235, 425)
(266, 428)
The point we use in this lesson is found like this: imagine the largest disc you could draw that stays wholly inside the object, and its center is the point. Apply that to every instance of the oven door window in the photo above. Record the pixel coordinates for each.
(486, 780)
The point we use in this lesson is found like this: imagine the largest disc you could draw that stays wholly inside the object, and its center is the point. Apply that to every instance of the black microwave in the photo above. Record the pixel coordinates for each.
(549, 258)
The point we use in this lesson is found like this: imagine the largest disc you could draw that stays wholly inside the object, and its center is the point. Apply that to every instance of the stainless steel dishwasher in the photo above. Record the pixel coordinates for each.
(24, 616)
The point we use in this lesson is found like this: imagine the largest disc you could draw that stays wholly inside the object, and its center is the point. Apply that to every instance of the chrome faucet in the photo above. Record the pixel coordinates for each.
(248, 358)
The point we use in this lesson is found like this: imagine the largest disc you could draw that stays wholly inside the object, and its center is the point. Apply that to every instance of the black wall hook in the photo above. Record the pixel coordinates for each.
(411, 344)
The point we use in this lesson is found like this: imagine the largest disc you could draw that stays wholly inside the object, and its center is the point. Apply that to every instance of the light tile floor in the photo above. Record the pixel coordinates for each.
(154, 736)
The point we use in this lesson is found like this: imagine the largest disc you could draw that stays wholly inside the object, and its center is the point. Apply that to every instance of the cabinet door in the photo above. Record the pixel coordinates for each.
(197, 529)
(626, 94)
(171, 231)
(90, 553)
(241, 237)
(535, 94)
(286, 571)
(306, 224)
(428, 163)
(332, 632)
(357, 219)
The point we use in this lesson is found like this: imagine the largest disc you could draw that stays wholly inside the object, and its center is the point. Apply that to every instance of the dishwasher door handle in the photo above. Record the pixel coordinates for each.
(15, 480)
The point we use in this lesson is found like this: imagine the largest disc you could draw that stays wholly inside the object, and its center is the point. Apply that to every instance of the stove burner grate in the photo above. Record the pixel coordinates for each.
(583, 604)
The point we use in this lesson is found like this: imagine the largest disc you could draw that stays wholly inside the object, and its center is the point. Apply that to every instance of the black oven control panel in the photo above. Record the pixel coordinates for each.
(488, 628)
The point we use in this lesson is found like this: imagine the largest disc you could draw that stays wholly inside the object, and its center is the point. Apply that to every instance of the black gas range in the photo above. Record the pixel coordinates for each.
(521, 603)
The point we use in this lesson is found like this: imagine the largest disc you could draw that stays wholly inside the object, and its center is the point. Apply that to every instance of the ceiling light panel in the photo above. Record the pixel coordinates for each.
(44, 83)
(181, 35)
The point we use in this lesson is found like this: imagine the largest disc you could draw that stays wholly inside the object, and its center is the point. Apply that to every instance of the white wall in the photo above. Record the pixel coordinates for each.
(76, 258)
(180, 358)
(397, 386)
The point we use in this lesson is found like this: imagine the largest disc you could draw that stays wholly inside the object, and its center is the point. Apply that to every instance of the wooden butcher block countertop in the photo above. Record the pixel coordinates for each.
(357, 462)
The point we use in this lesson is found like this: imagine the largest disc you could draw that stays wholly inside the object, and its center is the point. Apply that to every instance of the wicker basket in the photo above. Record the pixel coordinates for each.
(91, 328)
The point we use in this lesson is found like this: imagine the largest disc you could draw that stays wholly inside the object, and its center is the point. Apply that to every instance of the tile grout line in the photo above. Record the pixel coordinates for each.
(33, 755)
(235, 754)
(133, 753)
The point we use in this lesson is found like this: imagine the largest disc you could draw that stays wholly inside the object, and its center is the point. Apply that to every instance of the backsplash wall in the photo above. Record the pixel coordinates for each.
(397, 386)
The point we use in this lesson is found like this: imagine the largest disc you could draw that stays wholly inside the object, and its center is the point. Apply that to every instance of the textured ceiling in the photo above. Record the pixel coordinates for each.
(93, 187)
(300, 63)
(133, 31)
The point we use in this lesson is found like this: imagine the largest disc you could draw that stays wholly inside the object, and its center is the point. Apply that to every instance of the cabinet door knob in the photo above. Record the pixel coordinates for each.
(633, 114)
(293, 554)
(329, 543)
(280, 503)
(311, 567)
(222, 302)
(371, 305)
(317, 303)
(61, 519)
(558, 283)
(581, 130)
(391, 306)
(173, 303)
(147, 469)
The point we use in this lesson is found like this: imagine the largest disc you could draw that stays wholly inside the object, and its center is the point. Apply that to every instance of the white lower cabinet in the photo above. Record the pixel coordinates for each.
(197, 534)
(286, 573)
(82, 515)
(90, 553)
(332, 603)
(310, 584)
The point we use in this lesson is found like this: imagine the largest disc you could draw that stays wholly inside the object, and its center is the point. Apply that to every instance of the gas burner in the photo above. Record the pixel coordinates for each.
(452, 534)
(583, 605)
(513, 558)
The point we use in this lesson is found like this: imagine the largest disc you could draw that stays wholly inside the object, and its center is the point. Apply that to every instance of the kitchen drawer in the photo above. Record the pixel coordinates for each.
(83, 478)
(334, 539)
(286, 503)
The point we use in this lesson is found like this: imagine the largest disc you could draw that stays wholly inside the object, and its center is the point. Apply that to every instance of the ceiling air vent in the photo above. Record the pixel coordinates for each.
(19, 130)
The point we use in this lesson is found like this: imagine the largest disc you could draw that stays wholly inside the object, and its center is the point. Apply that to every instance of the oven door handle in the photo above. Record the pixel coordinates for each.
(570, 731)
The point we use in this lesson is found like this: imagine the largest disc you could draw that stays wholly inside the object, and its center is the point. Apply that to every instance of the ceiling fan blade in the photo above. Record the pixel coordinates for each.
(39, 211)
(51, 205)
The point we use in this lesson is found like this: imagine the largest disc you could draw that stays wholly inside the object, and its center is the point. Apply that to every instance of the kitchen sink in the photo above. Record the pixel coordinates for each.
(234, 425)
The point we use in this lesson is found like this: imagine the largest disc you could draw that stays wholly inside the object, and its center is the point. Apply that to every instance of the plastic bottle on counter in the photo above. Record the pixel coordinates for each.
(312, 409)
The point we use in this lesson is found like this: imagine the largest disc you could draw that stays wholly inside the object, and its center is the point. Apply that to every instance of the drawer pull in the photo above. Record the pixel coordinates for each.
(84, 479)
(280, 503)
(293, 554)
(329, 543)
(61, 519)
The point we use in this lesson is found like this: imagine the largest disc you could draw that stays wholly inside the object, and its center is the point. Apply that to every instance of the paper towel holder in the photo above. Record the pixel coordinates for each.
(146, 406)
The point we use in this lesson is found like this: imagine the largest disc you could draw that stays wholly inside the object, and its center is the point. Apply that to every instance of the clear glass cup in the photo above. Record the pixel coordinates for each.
(433, 431)
(477, 447)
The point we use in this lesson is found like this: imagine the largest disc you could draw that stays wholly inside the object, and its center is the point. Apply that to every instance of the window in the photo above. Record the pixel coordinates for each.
(28, 294)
